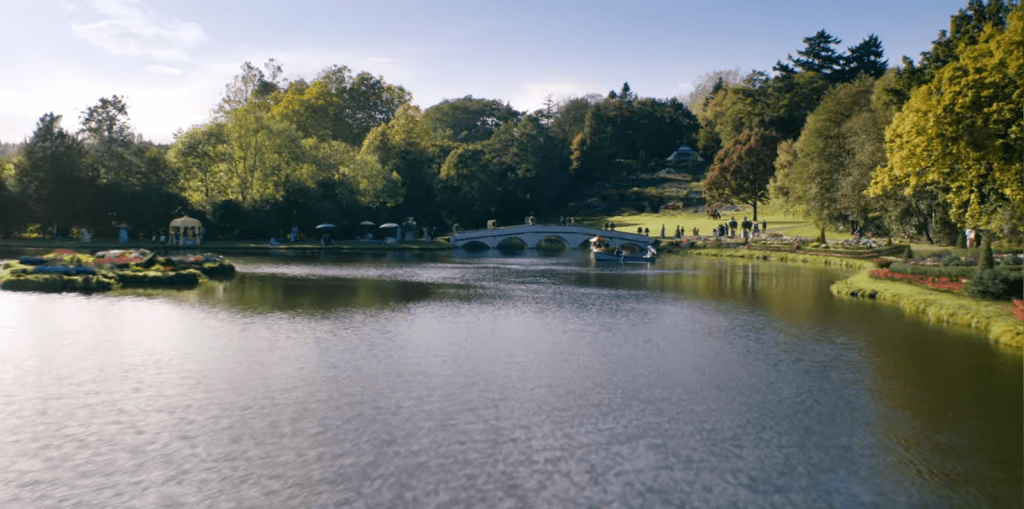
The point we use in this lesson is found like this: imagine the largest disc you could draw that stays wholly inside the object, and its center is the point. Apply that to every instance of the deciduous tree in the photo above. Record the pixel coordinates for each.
(961, 133)
(742, 170)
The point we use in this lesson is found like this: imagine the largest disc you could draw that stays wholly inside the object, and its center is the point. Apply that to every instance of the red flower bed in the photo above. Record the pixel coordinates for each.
(117, 260)
(939, 283)
(1018, 309)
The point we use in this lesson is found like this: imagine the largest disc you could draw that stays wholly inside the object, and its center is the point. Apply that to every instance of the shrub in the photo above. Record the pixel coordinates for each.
(986, 261)
(1012, 260)
(908, 253)
(961, 241)
(952, 261)
(989, 284)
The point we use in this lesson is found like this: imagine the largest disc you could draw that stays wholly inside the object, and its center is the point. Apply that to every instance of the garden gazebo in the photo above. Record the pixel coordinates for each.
(185, 231)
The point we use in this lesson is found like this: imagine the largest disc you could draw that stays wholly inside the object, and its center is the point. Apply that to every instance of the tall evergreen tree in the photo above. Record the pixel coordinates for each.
(867, 57)
(52, 174)
(819, 55)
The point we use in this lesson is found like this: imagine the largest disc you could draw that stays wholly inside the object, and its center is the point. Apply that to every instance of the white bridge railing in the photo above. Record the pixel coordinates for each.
(532, 235)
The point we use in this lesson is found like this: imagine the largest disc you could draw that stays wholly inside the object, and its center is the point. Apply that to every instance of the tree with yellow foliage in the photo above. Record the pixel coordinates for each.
(960, 135)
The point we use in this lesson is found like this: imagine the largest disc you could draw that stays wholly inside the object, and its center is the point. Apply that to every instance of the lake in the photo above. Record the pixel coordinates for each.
(499, 380)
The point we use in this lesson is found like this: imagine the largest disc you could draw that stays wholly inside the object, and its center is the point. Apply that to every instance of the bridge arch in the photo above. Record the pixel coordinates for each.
(533, 235)
(512, 243)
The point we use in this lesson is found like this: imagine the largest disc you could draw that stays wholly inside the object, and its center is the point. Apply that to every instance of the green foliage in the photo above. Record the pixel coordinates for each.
(824, 173)
(960, 137)
(515, 173)
(340, 106)
(408, 154)
(986, 260)
(52, 176)
(988, 284)
(965, 270)
(742, 170)
(965, 29)
(469, 119)
(624, 134)
(819, 56)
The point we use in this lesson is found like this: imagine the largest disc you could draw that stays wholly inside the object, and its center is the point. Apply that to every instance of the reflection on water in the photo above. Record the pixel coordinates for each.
(485, 380)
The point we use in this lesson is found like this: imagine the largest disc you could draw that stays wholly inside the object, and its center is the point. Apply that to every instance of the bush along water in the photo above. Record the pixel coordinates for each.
(67, 271)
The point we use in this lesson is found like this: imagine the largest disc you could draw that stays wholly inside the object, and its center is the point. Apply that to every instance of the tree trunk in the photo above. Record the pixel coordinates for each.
(755, 211)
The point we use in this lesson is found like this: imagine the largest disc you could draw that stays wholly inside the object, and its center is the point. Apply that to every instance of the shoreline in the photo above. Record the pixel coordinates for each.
(989, 319)
(227, 246)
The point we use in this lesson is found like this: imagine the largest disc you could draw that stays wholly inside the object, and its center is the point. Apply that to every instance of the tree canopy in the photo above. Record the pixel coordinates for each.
(960, 134)
(742, 170)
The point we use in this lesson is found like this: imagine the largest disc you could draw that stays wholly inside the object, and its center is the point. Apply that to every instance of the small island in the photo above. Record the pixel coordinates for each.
(65, 270)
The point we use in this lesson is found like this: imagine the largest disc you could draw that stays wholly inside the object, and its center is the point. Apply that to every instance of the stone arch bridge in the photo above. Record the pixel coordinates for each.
(532, 235)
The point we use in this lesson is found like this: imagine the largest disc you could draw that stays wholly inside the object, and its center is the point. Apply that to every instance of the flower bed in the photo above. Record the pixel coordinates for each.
(67, 271)
(938, 283)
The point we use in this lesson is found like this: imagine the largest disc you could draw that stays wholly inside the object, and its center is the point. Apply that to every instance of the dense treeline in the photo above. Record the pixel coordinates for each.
(926, 149)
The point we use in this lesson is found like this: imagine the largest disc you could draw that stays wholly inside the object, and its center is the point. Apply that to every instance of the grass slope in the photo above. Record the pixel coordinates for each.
(778, 221)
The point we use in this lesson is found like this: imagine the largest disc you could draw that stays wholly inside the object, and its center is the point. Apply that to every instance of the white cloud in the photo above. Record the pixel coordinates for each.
(133, 32)
(68, 6)
(165, 70)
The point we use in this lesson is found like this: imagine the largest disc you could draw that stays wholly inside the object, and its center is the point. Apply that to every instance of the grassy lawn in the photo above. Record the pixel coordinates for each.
(778, 221)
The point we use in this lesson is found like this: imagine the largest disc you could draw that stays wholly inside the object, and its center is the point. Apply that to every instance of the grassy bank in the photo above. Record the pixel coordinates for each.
(991, 319)
(782, 256)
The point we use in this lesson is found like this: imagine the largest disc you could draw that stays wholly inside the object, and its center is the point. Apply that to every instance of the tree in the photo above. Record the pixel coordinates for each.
(569, 117)
(198, 156)
(864, 58)
(515, 172)
(110, 143)
(252, 84)
(622, 136)
(965, 28)
(780, 104)
(961, 135)
(742, 170)
(469, 119)
(406, 147)
(707, 84)
(52, 175)
(819, 55)
(828, 168)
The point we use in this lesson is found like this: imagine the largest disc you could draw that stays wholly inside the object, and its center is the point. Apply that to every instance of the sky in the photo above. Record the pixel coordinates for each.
(171, 59)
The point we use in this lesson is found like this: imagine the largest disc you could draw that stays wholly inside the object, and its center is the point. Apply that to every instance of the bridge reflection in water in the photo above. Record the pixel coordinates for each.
(532, 235)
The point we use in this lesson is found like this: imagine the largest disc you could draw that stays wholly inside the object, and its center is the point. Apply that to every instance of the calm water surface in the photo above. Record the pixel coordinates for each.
(488, 380)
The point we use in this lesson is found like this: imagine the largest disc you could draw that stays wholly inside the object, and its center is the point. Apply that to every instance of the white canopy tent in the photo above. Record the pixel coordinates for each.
(185, 231)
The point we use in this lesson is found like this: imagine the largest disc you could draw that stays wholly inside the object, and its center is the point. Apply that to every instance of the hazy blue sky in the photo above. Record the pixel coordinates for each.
(172, 58)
